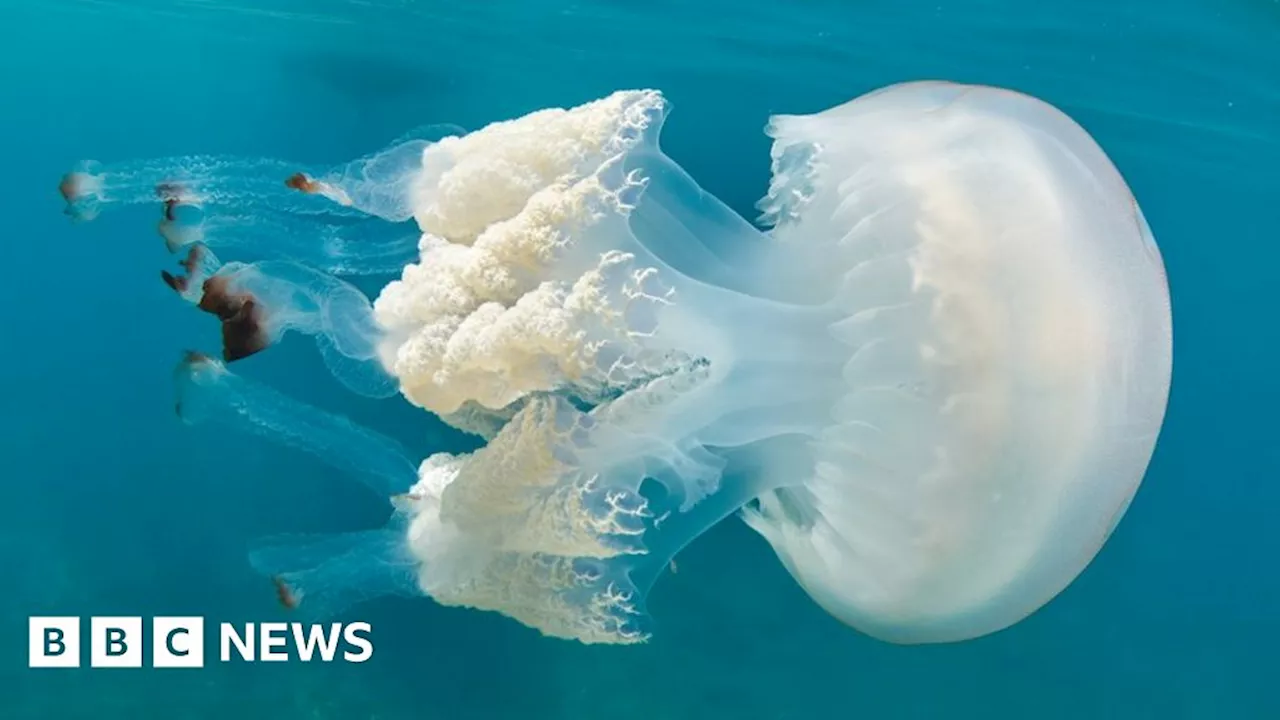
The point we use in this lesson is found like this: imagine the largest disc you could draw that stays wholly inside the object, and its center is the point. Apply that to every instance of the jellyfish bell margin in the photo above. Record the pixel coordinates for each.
(940, 374)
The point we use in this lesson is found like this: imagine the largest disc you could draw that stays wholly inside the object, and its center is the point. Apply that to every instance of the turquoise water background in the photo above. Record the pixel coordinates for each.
(109, 506)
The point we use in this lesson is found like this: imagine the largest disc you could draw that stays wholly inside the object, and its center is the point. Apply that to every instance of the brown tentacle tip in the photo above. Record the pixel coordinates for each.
(191, 264)
(288, 599)
(218, 299)
(244, 333)
(301, 182)
(193, 258)
(69, 186)
(195, 357)
(191, 359)
(170, 191)
(178, 283)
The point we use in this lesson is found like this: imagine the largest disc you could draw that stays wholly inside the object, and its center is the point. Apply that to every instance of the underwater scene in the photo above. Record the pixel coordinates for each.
(598, 360)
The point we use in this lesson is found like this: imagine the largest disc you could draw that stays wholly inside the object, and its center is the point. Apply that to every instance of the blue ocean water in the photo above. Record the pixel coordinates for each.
(108, 505)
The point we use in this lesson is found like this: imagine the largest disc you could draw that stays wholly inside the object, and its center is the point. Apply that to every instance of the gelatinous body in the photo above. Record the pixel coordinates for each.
(933, 385)
(1010, 339)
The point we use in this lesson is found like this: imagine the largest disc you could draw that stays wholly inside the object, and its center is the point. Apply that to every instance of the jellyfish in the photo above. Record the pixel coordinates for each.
(379, 184)
(931, 377)
(257, 303)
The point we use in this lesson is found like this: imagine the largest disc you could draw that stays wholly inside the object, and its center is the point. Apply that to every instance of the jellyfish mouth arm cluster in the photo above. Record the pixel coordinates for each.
(551, 547)
(933, 385)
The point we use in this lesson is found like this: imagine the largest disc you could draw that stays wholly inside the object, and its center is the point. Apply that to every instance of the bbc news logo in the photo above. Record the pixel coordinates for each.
(178, 642)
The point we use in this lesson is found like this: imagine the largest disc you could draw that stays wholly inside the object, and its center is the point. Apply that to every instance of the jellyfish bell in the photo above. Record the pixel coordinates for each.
(933, 385)
(1009, 340)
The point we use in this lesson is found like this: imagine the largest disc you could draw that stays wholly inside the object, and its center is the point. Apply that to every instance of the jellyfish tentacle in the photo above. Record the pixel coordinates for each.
(215, 183)
(358, 373)
(683, 226)
(208, 392)
(346, 247)
(325, 575)
(379, 184)
(430, 132)
(198, 265)
(258, 303)
(382, 184)
(338, 315)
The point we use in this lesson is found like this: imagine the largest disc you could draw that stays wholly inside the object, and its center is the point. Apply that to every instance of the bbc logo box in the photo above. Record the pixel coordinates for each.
(54, 642)
(116, 642)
